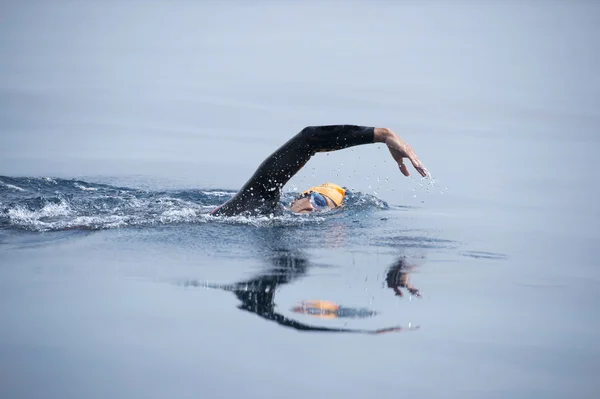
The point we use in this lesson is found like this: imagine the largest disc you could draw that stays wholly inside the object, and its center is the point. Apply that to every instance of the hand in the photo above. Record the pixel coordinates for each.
(400, 150)
(398, 277)
(412, 290)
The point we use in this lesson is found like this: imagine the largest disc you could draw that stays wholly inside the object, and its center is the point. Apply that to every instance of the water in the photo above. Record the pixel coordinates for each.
(124, 124)
(47, 204)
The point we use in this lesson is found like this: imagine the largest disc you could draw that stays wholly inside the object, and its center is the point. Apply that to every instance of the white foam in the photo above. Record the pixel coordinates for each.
(21, 214)
(217, 193)
(177, 215)
(137, 203)
(79, 186)
(11, 186)
(15, 187)
(268, 220)
(105, 222)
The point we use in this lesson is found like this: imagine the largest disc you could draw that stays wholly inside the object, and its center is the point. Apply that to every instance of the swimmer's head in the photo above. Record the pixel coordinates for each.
(325, 196)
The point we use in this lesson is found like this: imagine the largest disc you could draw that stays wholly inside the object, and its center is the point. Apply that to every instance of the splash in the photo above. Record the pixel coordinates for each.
(45, 204)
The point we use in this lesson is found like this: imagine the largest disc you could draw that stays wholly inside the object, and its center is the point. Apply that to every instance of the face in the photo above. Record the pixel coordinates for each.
(305, 204)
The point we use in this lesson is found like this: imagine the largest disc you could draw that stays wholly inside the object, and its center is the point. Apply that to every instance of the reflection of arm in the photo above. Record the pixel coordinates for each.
(287, 322)
(263, 190)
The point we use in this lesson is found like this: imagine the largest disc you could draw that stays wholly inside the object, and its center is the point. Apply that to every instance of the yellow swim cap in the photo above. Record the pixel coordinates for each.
(333, 191)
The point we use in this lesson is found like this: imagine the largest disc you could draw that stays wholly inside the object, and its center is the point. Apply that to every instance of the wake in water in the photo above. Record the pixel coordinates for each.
(47, 204)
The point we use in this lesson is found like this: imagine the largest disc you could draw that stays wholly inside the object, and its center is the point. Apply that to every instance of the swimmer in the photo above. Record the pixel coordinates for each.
(261, 194)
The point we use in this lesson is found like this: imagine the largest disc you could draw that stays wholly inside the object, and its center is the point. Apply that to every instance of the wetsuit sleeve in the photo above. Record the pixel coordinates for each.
(262, 192)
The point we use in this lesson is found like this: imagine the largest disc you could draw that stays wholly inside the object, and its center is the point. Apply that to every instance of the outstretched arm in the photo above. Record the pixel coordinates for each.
(262, 192)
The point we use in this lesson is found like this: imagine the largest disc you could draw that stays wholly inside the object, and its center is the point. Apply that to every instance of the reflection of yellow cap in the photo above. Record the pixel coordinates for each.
(318, 308)
(333, 191)
(326, 306)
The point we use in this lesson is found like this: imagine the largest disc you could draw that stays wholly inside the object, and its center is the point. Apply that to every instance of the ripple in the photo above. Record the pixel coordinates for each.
(484, 255)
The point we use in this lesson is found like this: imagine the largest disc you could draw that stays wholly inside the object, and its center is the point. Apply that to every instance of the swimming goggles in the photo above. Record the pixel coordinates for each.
(317, 200)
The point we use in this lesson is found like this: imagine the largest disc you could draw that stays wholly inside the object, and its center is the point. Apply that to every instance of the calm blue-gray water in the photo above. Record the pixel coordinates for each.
(124, 123)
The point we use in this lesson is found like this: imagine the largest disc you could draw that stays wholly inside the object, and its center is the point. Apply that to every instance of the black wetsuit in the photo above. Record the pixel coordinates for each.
(262, 192)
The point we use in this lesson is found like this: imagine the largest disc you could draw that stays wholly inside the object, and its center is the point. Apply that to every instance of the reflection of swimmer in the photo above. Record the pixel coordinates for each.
(262, 192)
(257, 296)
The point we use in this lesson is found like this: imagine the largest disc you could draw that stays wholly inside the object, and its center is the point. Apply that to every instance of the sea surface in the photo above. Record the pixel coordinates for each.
(122, 124)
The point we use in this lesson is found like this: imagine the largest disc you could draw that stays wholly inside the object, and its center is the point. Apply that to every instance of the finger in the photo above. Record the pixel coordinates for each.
(422, 171)
(404, 169)
(418, 166)
(396, 154)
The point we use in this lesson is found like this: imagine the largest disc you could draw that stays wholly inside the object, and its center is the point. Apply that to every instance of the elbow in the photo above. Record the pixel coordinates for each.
(308, 134)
